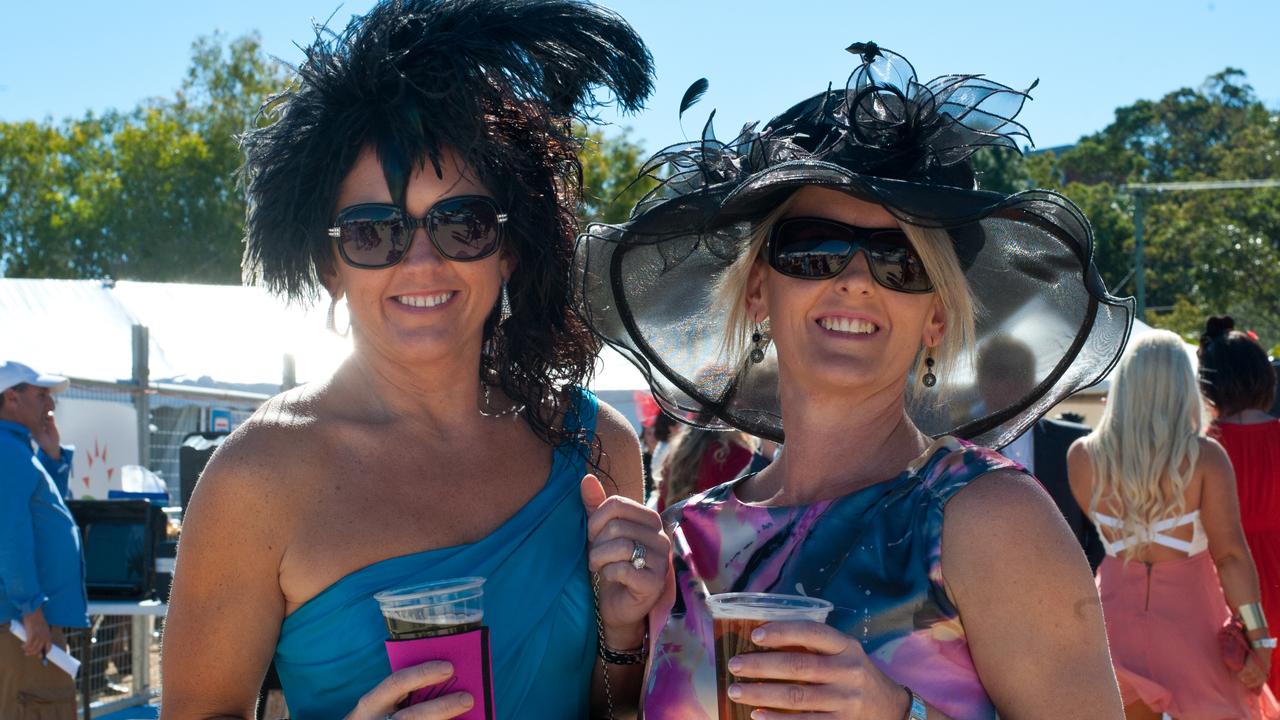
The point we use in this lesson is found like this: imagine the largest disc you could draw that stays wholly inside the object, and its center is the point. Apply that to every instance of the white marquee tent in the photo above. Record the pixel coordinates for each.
(214, 336)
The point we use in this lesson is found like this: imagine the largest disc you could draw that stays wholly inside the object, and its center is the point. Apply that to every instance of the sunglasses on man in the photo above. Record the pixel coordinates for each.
(463, 228)
(811, 248)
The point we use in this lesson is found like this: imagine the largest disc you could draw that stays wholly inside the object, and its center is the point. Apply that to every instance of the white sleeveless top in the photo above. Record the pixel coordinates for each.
(1198, 543)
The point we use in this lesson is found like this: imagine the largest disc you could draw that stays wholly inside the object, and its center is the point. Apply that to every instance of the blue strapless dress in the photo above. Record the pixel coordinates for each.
(538, 606)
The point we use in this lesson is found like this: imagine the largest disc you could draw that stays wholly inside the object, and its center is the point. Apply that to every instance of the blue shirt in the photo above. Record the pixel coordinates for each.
(40, 560)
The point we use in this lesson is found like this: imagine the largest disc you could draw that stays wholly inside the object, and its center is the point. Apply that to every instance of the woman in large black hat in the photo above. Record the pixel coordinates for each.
(422, 167)
(834, 275)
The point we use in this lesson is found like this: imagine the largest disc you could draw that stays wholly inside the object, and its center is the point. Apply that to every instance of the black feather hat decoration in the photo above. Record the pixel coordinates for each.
(496, 81)
(693, 94)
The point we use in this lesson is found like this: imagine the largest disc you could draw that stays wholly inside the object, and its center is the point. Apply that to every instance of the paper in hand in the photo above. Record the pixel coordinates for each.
(57, 655)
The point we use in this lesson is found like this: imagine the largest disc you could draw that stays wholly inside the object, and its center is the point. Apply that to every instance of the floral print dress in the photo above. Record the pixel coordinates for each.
(875, 553)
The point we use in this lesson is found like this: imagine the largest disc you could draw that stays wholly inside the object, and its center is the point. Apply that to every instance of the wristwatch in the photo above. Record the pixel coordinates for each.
(917, 711)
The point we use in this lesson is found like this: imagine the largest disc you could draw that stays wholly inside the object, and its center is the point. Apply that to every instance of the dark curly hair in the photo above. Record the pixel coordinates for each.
(499, 83)
(1235, 374)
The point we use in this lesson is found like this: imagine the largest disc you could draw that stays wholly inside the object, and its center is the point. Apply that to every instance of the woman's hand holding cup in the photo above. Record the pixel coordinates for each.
(812, 667)
(630, 553)
(385, 698)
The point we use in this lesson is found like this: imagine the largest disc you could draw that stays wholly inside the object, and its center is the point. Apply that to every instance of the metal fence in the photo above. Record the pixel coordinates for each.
(120, 663)
(172, 413)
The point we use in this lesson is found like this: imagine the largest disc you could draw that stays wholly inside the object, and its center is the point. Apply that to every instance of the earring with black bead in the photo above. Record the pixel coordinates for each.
(929, 379)
(759, 342)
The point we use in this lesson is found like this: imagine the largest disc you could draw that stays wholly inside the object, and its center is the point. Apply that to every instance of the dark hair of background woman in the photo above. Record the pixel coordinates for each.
(664, 426)
(409, 80)
(1235, 373)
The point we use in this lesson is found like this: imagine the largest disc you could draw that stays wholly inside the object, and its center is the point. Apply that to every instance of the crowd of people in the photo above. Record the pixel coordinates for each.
(864, 346)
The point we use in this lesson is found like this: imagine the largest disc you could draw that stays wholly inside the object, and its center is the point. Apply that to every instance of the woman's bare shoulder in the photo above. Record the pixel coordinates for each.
(1004, 528)
(1214, 465)
(620, 451)
(269, 453)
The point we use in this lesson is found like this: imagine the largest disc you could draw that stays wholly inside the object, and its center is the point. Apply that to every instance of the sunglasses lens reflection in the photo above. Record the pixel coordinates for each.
(375, 236)
(817, 249)
(465, 229)
(895, 263)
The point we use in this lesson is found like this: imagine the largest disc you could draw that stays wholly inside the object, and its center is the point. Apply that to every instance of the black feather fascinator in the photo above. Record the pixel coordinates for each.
(497, 81)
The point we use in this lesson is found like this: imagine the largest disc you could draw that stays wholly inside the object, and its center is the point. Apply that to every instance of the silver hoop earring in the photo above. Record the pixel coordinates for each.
(504, 307)
(330, 324)
(759, 342)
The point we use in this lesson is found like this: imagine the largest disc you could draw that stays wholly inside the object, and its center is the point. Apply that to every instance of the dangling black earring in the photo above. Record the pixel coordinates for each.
(759, 341)
(929, 378)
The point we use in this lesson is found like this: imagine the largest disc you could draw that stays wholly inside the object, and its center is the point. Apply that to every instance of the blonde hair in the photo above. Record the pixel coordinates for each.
(1144, 452)
(937, 252)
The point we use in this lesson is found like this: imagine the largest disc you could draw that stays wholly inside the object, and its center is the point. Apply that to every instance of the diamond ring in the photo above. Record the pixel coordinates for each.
(637, 556)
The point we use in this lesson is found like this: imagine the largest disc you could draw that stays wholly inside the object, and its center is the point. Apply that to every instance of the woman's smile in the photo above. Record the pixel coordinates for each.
(425, 301)
(847, 326)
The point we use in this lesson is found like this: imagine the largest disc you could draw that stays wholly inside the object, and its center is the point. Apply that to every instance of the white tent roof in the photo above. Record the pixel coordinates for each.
(207, 335)
(71, 327)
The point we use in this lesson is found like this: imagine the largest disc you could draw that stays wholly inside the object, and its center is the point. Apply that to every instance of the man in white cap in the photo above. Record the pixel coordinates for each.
(41, 567)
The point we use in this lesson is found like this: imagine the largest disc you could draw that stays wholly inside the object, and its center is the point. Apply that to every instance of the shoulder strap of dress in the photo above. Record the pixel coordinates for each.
(574, 453)
(950, 464)
(583, 410)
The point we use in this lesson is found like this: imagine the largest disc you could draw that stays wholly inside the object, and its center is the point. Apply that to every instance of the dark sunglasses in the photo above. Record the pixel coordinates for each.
(816, 249)
(378, 235)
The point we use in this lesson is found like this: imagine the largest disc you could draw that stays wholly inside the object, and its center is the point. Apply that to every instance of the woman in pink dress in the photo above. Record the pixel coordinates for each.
(1163, 498)
(1240, 386)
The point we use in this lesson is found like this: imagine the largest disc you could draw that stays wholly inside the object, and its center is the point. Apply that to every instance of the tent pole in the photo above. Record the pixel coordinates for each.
(1139, 274)
(289, 380)
(142, 396)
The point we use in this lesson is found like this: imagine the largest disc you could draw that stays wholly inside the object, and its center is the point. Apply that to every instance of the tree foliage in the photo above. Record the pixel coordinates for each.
(1206, 252)
(610, 187)
(151, 194)
(147, 194)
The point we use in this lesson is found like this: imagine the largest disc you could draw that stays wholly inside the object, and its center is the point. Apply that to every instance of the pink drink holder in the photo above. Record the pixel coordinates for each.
(472, 671)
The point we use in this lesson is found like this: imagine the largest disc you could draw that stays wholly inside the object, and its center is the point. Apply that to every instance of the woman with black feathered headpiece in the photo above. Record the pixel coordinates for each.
(421, 168)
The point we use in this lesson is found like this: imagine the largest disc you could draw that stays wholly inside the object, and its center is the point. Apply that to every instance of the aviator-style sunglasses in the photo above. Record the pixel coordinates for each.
(378, 235)
(817, 248)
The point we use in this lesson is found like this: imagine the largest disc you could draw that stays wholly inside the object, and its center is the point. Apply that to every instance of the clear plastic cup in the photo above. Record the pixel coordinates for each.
(433, 609)
(735, 616)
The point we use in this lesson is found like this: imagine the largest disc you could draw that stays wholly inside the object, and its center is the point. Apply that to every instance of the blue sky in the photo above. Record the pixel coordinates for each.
(60, 59)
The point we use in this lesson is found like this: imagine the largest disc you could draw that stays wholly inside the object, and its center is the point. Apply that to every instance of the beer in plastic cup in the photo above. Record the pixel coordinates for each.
(735, 616)
(433, 609)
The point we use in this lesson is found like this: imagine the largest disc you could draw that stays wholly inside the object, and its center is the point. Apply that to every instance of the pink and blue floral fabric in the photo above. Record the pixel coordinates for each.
(875, 553)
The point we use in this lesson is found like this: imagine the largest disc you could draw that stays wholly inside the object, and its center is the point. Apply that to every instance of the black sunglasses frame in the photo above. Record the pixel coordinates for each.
(861, 240)
(410, 225)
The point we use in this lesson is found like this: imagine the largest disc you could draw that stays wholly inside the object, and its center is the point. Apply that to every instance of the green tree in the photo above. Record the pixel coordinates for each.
(1205, 252)
(610, 165)
(149, 194)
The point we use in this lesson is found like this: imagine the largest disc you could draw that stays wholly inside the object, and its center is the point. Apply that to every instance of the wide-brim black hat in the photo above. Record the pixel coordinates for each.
(648, 284)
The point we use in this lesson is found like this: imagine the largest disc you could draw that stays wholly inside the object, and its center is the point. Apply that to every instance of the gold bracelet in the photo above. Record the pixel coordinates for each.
(1251, 614)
